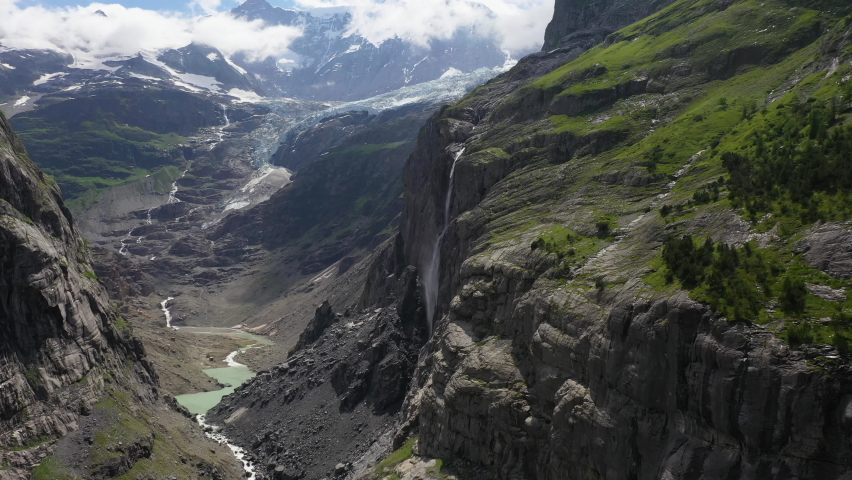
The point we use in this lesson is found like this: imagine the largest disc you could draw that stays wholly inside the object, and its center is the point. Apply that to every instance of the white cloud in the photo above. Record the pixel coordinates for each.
(518, 25)
(206, 6)
(255, 39)
(127, 31)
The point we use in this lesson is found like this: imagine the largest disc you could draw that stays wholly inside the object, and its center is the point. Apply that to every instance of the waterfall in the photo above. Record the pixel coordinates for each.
(164, 307)
(432, 270)
(123, 249)
(172, 197)
(221, 132)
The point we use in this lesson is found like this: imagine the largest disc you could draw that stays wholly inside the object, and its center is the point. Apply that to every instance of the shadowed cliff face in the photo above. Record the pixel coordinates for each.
(58, 333)
(584, 21)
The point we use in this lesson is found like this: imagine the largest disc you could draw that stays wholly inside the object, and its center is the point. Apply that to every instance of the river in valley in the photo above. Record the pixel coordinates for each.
(232, 375)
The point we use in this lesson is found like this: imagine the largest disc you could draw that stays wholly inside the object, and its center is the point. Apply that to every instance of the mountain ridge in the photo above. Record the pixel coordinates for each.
(626, 257)
(79, 395)
(333, 56)
(568, 343)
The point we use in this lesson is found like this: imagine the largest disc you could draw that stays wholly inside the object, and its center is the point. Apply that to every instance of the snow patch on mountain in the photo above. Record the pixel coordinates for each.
(244, 96)
(204, 82)
(48, 77)
(144, 77)
(451, 72)
(236, 67)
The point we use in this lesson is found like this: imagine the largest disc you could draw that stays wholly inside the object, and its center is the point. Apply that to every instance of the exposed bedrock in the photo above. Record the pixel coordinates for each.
(59, 335)
(537, 375)
(631, 388)
(576, 21)
(343, 384)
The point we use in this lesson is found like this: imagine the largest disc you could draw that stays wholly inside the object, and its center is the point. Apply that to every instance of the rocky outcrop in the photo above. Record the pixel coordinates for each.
(323, 319)
(550, 367)
(340, 389)
(59, 336)
(829, 248)
(549, 392)
(579, 22)
(126, 456)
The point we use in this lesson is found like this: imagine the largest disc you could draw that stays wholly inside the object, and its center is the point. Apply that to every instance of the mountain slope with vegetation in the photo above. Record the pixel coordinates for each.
(92, 143)
(645, 273)
(645, 276)
(78, 395)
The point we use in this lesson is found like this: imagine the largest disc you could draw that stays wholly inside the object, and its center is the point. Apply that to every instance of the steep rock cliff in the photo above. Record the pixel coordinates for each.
(342, 386)
(577, 22)
(563, 345)
(559, 350)
(60, 336)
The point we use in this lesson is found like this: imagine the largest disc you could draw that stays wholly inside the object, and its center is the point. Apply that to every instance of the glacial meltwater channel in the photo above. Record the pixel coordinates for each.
(232, 375)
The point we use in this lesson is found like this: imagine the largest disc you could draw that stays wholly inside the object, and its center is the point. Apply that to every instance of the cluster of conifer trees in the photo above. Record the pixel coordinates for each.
(795, 157)
(736, 282)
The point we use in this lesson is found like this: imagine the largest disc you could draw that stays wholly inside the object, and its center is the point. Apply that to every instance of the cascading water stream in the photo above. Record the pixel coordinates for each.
(164, 306)
(430, 285)
(214, 432)
(148, 220)
(221, 132)
(123, 249)
(172, 197)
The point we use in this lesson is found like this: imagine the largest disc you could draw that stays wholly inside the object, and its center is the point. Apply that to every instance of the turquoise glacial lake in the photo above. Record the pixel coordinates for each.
(233, 374)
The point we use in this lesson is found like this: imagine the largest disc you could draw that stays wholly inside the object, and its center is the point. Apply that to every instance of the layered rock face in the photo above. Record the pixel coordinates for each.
(645, 389)
(570, 364)
(584, 22)
(342, 385)
(59, 335)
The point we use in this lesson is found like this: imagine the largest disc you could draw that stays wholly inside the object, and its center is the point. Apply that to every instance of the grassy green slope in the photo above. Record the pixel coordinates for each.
(95, 155)
(93, 143)
(742, 81)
